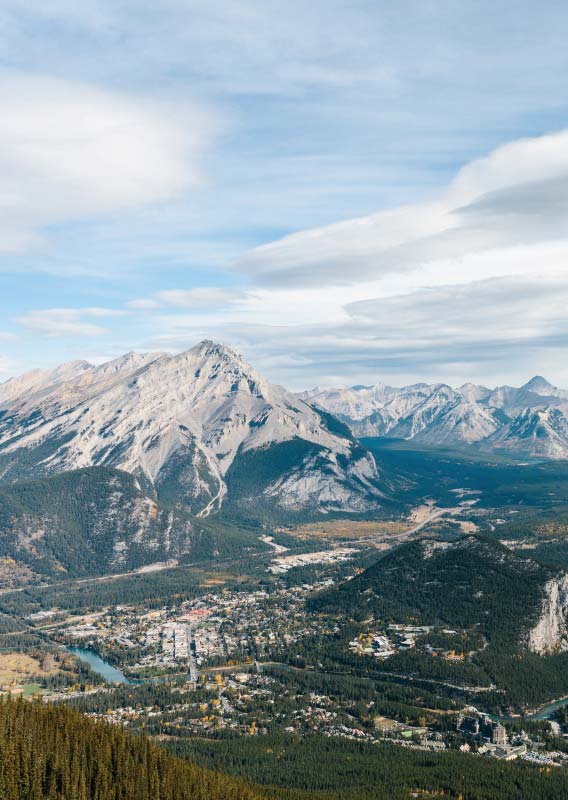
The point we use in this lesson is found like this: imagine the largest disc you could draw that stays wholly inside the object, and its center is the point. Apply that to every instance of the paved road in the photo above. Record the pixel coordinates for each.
(439, 512)
(393, 538)
(193, 669)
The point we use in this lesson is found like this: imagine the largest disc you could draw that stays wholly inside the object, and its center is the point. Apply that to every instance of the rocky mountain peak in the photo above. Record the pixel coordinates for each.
(128, 362)
(38, 379)
(207, 347)
(540, 385)
(530, 420)
(179, 423)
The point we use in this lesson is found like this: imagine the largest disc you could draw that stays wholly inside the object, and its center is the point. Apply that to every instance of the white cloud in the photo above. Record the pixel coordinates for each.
(143, 303)
(520, 310)
(61, 322)
(518, 195)
(202, 297)
(70, 150)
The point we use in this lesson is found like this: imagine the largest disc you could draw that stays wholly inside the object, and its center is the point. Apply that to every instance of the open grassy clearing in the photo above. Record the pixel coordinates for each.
(21, 667)
(347, 529)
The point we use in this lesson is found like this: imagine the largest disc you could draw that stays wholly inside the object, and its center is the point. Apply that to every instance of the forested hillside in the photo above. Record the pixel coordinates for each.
(53, 752)
(333, 768)
(50, 752)
(97, 520)
(471, 582)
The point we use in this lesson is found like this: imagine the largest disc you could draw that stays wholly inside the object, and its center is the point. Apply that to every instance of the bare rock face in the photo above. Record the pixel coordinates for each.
(530, 421)
(179, 424)
(541, 432)
(328, 487)
(551, 632)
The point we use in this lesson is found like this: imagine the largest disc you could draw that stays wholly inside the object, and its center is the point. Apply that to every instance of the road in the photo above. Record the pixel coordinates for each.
(438, 512)
(392, 538)
(192, 651)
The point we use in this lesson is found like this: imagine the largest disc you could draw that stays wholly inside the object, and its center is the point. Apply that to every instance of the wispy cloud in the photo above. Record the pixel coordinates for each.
(199, 298)
(517, 311)
(64, 322)
(517, 195)
(71, 150)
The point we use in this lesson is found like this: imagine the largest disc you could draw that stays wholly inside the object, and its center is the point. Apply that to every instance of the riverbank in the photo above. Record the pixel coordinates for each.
(99, 665)
(112, 674)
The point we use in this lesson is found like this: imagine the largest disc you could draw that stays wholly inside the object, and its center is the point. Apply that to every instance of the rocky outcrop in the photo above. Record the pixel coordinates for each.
(550, 632)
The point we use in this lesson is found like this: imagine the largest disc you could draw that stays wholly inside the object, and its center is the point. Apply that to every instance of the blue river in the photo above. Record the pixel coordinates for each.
(113, 675)
(100, 666)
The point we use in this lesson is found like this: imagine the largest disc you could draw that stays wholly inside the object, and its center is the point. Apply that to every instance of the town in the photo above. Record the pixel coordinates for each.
(237, 662)
(217, 629)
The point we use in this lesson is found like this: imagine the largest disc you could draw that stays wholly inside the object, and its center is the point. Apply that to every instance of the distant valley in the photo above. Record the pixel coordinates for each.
(153, 458)
(272, 576)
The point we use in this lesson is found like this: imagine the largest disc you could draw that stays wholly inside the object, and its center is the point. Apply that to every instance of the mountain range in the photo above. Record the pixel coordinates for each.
(114, 466)
(198, 431)
(529, 421)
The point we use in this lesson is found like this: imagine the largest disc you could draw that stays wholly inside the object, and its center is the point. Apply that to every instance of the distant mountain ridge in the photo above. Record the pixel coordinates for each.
(531, 420)
(197, 430)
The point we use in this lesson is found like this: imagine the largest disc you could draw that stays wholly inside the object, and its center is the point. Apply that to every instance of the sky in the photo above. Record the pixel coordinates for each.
(345, 191)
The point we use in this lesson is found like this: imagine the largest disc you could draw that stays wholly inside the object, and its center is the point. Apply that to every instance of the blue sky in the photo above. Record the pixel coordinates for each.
(344, 191)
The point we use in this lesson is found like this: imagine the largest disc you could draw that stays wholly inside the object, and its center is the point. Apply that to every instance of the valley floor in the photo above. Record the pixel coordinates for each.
(232, 658)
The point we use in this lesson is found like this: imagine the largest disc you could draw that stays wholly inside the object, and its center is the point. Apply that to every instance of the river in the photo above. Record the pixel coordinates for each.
(548, 710)
(99, 665)
(544, 713)
(113, 675)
